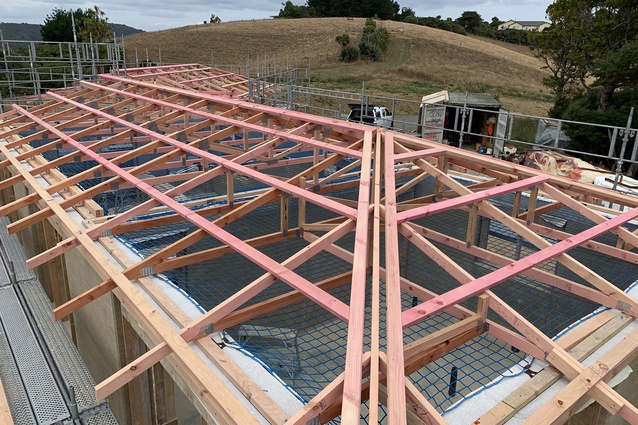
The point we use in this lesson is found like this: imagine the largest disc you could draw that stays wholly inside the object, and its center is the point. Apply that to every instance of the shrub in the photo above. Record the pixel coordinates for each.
(343, 40)
(369, 50)
(411, 19)
(369, 27)
(349, 54)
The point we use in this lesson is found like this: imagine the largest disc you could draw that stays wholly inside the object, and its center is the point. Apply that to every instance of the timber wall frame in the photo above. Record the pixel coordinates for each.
(185, 122)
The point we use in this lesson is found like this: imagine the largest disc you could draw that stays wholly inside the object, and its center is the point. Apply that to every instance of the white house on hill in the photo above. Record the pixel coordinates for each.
(524, 25)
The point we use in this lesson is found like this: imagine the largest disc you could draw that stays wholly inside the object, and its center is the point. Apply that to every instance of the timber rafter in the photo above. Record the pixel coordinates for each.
(183, 126)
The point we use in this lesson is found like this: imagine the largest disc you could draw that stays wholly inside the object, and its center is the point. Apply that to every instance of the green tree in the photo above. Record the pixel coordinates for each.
(406, 12)
(589, 40)
(214, 19)
(291, 11)
(94, 26)
(495, 22)
(91, 23)
(58, 25)
(470, 21)
(383, 9)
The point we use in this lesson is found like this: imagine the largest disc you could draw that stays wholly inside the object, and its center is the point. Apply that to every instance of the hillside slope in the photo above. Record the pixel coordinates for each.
(420, 59)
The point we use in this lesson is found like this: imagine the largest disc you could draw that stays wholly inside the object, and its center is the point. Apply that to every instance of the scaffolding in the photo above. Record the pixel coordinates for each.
(30, 68)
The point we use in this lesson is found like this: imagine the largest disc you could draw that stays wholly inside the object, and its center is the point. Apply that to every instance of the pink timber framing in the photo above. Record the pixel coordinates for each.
(184, 113)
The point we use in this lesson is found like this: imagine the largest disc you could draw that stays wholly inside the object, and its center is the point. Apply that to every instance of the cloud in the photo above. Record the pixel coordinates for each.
(152, 15)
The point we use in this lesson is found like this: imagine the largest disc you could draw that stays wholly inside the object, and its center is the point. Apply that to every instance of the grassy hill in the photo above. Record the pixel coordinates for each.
(419, 61)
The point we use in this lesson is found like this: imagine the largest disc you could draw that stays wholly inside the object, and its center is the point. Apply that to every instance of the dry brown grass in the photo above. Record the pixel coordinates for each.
(420, 60)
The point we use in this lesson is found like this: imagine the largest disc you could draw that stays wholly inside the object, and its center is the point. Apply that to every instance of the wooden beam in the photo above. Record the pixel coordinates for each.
(541, 275)
(468, 199)
(375, 394)
(330, 395)
(214, 394)
(456, 295)
(595, 336)
(589, 213)
(563, 361)
(201, 327)
(276, 303)
(5, 411)
(495, 329)
(447, 341)
(237, 376)
(570, 398)
(394, 330)
(350, 413)
(326, 146)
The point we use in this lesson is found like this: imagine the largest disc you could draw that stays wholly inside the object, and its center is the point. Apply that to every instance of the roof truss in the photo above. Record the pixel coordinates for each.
(121, 120)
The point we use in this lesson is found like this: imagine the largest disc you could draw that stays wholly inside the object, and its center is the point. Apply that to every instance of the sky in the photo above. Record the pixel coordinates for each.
(153, 15)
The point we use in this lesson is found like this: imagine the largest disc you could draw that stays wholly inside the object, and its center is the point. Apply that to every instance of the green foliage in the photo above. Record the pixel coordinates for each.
(514, 36)
(291, 11)
(369, 27)
(374, 42)
(94, 26)
(383, 9)
(58, 24)
(214, 19)
(89, 23)
(470, 21)
(29, 32)
(585, 109)
(576, 54)
(343, 40)
(496, 22)
(406, 12)
(369, 50)
(349, 54)
(411, 19)
(442, 24)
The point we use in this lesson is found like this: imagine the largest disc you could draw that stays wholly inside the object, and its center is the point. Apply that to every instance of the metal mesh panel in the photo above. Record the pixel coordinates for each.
(305, 345)
(16, 395)
(67, 358)
(14, 252)
(48, 404)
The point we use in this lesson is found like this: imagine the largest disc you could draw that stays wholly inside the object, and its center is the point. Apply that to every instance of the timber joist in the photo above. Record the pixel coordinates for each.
(167, 132)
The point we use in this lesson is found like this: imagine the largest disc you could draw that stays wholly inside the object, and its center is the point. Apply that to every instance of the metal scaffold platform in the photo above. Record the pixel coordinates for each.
(43, 375)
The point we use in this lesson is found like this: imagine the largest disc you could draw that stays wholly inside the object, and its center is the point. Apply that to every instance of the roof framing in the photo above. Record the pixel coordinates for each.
(172, 112)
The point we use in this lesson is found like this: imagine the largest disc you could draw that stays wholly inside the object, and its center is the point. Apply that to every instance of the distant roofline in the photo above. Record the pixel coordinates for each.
(527, 23)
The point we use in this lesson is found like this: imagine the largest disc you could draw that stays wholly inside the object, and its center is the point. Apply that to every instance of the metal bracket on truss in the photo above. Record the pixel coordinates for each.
(482, 326)
(147, 271)
(105, 232)
(623, 307)
(207, 330)
(182, 137)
